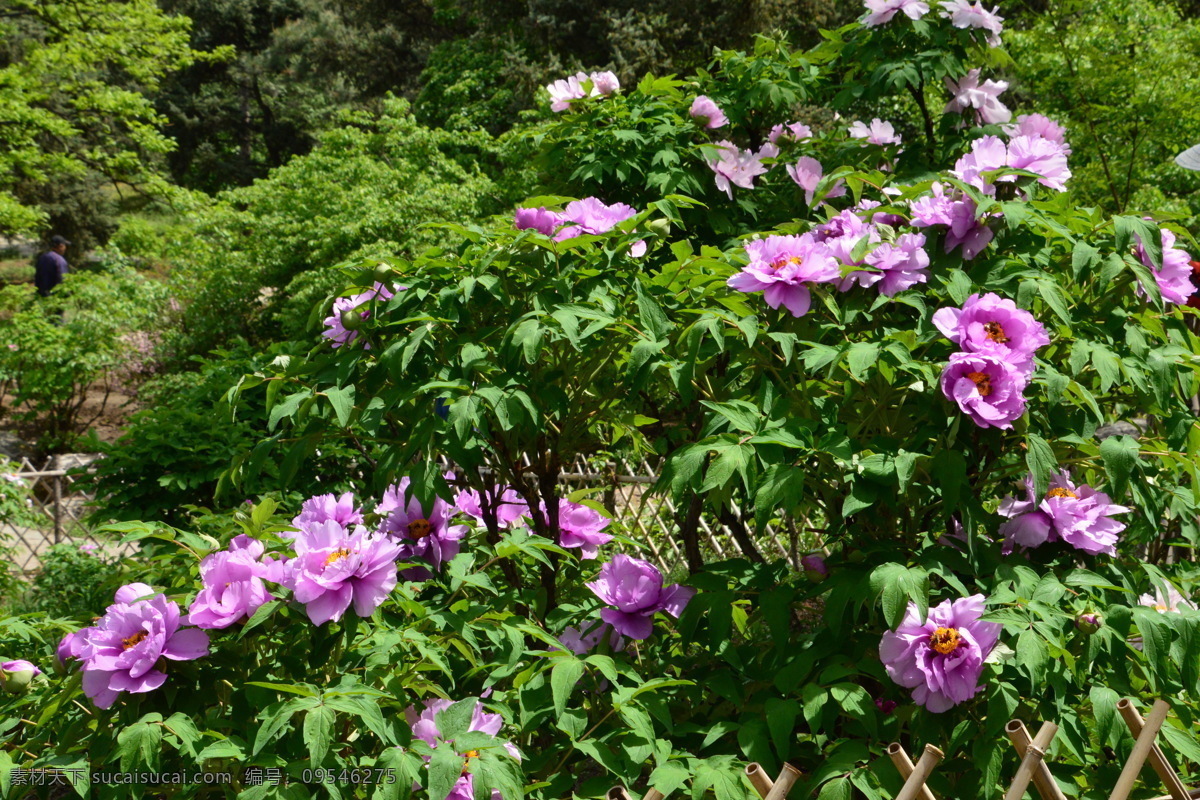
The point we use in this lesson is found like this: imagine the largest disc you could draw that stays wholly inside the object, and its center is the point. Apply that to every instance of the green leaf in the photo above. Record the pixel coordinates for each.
(318, 733)
(1032, 654)
(1052, 293)
(836, 789)
(138, 745)
(668, 776)
(342, 400)
(563, 678)
(259, 616)
(286, 407)
(860, 357)
(445, 768)
(1120, 454)
(1041, 462)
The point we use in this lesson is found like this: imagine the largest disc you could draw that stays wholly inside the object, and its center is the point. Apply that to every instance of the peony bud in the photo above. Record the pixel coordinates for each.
(16, 676)
(661, 227)
(814, 568)
(351, 319)
(1089, 622)
(383, 273)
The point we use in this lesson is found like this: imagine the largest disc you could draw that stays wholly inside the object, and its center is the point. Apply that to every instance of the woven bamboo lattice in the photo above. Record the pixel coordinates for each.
(58, 505)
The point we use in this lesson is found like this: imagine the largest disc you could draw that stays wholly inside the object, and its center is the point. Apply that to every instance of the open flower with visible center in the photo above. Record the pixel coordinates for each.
(967, 14)
(121, 652)
(421, 532)
(233, 588)
(583, 527)
(993, 324)
(940, 659)
(878, 132)
(1175, 278)
(807, 173)
(635, 590)
(958, 213)
(782, 267)
(1170, 601)
(705, 108)
(346, 307)
(736, 167)
(335, 568)
(882, 11)
(324, 507)
(507, 503)
(968, 92)
(987, 388)
(1076, 514)
(425, 727)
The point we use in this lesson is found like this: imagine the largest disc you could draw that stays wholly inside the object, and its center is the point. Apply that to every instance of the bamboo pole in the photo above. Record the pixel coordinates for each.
(1034, 755)
(784, 783)
(904, 766)
(916, 781)
(652, 794)
(1193, 794)
(759, 780)
(1141, 749)
(1133, 720)
(617, 793)
(1042, 779)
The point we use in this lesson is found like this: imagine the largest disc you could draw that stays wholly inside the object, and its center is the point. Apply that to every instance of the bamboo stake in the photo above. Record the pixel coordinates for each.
(1133, 720)
(921, 772)
(759, 780)
(652, 794)
(617, 793)
(904, 766)
(1034, 755)
(1042, 779)
(1141, 749)
(1193, 794)
(784, 783)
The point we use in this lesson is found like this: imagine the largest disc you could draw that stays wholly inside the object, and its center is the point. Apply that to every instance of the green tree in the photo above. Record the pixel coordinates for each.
(75, 86)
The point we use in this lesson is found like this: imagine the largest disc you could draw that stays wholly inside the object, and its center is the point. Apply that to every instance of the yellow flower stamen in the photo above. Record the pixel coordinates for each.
(944, 640)
(133, 640)
(336, 555)
(419, 529)
(995, 332)
(982, 381)
(1059, 492)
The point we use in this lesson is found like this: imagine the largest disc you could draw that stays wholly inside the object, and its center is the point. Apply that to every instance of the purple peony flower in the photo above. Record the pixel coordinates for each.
(1038, 125)
(1175, 278)
(16, 675)
(604, 83)
(987, 153)
(335, 329)
(814, 568)
(1077, 515)
(69, 646)
(794, 131)
(781, 267)
(941, 660)
(424, 727)
(564, 90)
(957, 212)
(582, 527)
(734, 167)
(334, 567)
(422, 533)
(885, 706)
(590, 215)
(965, 14)
(985, 98)
(986, 388)
(325, 507)
(705, 108)
(882, 11)
(635, 589)
(878, 132)
(584, 639)
(233, 589)
(1044, 157)
(509, 505)
(807, 173)
(121, 652)
(539, 219)
(902, 265)
(993, 324)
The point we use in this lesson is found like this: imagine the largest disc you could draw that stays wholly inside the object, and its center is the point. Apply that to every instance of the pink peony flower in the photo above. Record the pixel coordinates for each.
(325, 507)
(1038, 125)
(1042, 156)
(539, 219)
(782, 267)
(510, 507)
(233, 588)
(334, 568)
(15, 676)
(882, 11)
(966, 14)
(734, 167)
(956, 211)
(1172, 601)
(789, 130)
(1175, 278)
(807, 173)
(590, 215)
(564, 90)
(994, 325)
(1077, 515)
(422, 533)
(584, 639)
(704, 108)
(425, 727)
(335, 329)
(635, 589)
(986, 388)
(941, 659)
(903, 264)
(604, 83)
(121, 652)
(985, 98)
(582, 527)
(878, 132)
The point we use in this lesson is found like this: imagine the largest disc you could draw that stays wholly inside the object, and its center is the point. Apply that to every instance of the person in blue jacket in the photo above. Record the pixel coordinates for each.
(51, 266)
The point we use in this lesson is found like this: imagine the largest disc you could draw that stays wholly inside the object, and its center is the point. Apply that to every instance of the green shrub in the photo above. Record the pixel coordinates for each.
(73, 582)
